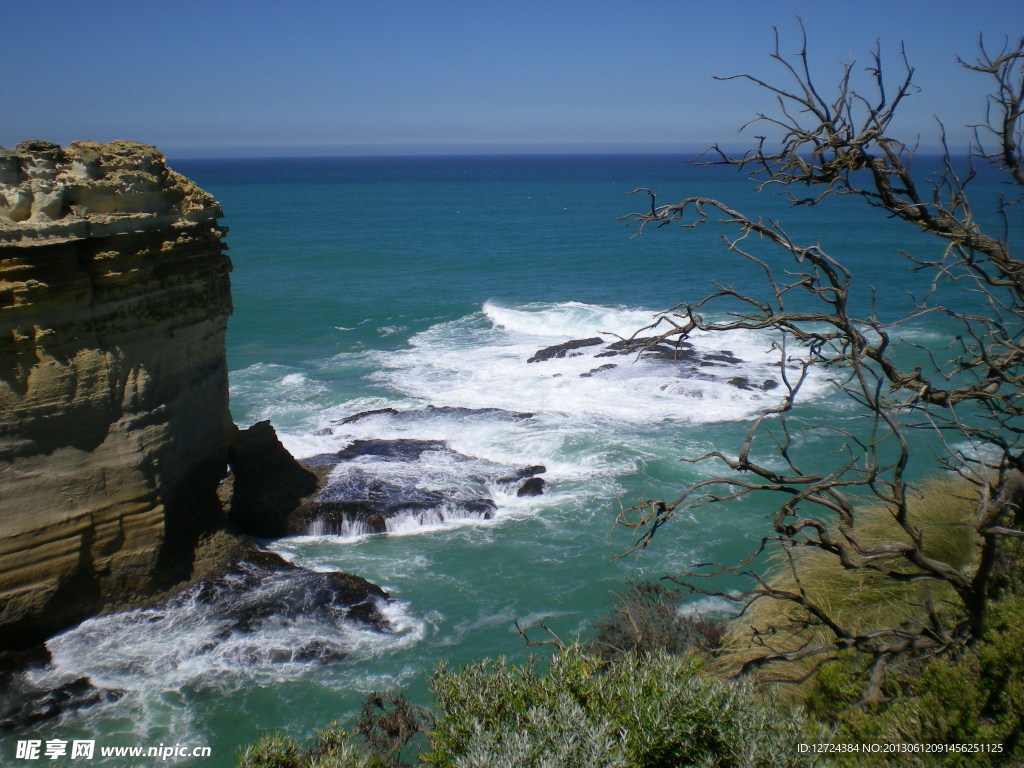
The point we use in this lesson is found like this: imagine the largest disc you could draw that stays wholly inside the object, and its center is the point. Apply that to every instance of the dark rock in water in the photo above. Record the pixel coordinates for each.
(485, 508)
(438, 410)
(366, 414)
(563, 350)
(651, 347)
(373, 504)
(376, 522)
(267, 482)
(375, 481)
(605, 367)
(400, 450)
(321, 460)
(319, 651)
(721, 357)
(246, 591)
(522, 473)
(49, 705)
(260, 586)
(646, 348)
(532, 487)
(447, 410)
(742, 382)
(335, 517)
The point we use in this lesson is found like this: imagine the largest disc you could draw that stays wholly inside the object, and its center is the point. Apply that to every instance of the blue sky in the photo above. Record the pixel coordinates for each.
(221, 77)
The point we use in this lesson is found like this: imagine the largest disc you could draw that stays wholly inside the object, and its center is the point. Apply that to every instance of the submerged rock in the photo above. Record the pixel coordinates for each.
(564, 349)
(398, 450)
(721, 357)
(526, 480)
(599, 369)
(532, 487)
(432, 411)
(373, 482)
(250, 608)
(650, 347)
(367, 414)
(690, 361)
(522, 473)
(44, 706)
(259, 586)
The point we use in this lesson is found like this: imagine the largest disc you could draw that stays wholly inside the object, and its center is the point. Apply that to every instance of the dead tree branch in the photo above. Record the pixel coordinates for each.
(969, 394)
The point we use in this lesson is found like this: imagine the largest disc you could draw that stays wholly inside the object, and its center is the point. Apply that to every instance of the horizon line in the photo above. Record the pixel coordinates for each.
(339, 153)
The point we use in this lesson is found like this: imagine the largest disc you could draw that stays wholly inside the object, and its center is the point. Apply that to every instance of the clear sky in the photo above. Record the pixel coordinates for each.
(261, 77)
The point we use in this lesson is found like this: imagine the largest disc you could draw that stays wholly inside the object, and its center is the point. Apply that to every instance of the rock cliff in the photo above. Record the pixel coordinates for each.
(114, 423)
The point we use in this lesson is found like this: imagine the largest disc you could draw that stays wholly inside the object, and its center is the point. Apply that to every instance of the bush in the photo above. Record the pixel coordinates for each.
(333, 749)
(646, 618)
(388, 723)
(637, 711)
(656, 711)
(976, 697)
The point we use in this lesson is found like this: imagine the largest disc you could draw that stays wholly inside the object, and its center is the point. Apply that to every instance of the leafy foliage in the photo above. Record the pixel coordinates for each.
(654, 710)
(637, 711)
(388, 722)
(646, 618)
(975, 698)
(333, 749)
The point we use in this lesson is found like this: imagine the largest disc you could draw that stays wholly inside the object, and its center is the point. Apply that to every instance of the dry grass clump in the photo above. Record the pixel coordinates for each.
(860, 599)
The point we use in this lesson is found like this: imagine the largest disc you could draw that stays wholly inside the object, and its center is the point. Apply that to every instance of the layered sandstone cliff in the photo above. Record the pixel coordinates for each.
(114, 424)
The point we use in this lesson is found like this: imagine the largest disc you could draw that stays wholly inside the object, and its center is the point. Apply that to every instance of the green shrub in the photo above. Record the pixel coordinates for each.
(651, 711)
(333, 749)
(389, 724)
(646, 618)
(273, 750)
(974, 698)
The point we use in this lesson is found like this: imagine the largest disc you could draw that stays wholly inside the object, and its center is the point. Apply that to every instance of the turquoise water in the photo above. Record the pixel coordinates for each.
(372, 283)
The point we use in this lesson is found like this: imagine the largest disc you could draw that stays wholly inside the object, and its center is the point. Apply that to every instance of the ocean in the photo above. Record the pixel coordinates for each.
(423, 285)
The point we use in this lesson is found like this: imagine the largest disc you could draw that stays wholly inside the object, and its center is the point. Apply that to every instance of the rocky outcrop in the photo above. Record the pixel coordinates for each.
(566, 349)
(241, 593)
(374, 484)
(267, 484)
(113, 382)
(687, 359)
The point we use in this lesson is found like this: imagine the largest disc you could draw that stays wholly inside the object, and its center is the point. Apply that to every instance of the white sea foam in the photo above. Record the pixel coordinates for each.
(708, 606)
(166, 648)
(566, 320)
(474, 365)
(276, 392)
(468, 384)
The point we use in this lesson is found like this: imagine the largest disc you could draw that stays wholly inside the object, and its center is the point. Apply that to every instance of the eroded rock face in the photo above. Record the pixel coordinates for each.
(268, 483)
(113, 381)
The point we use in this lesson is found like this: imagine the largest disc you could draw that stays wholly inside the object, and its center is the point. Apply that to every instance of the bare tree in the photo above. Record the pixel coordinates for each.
(970, 396)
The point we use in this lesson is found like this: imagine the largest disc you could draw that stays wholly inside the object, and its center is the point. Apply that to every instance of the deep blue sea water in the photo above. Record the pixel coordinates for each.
(406, 283)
